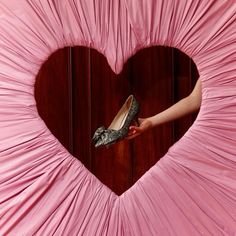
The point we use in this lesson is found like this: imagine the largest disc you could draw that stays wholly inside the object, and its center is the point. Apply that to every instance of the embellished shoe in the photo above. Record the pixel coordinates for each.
(119, 127)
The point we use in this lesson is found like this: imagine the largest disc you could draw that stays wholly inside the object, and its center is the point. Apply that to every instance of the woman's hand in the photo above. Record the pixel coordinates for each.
(185, 106)
(145, 124)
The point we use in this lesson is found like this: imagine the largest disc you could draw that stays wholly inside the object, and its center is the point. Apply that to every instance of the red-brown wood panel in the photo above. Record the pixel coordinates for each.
(52, 93)
(81, 93)
(185, 77)
(113, 166)
(151, 76)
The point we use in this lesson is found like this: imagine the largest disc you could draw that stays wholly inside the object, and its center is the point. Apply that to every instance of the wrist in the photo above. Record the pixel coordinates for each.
(151, 122)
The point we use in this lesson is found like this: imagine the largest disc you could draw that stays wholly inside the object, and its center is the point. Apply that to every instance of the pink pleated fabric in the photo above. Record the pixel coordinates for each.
(46, 191)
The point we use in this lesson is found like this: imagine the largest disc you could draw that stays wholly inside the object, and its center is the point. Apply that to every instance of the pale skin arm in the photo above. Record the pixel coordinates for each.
(185, 106)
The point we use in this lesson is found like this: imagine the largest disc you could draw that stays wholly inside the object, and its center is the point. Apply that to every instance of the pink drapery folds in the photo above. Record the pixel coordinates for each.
(46, 191)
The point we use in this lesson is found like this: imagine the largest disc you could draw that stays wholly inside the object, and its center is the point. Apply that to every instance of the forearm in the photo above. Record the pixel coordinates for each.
(183, 107)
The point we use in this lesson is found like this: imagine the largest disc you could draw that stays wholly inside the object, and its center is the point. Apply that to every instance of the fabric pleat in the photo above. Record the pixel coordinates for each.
(46, 191)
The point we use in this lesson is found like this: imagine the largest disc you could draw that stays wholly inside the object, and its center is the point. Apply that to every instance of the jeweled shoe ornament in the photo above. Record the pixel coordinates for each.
(98, 133)
(119, 127)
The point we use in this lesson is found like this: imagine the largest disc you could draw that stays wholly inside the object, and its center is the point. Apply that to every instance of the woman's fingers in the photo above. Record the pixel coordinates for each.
(137, 130)
(133, 132)
(130, 136)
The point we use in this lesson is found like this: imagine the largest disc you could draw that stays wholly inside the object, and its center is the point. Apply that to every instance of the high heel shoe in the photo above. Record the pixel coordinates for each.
(119, 127)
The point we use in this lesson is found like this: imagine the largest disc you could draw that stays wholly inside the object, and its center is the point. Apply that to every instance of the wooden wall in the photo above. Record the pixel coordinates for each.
(76, 92)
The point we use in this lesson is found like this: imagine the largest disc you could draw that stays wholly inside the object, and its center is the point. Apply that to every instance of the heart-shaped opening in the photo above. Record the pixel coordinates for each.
(76, 92)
